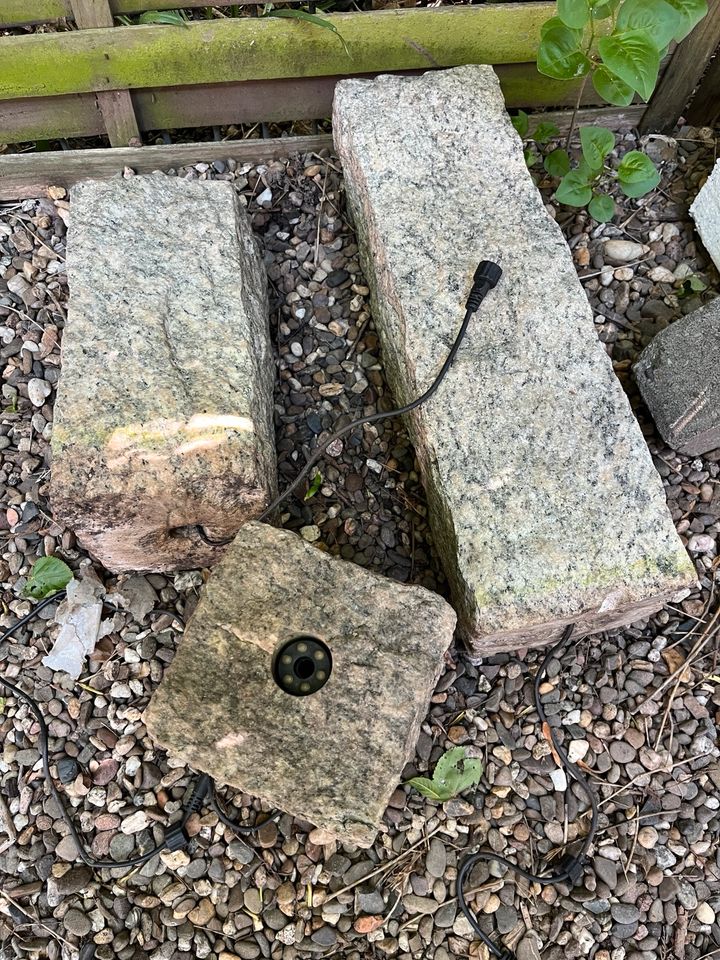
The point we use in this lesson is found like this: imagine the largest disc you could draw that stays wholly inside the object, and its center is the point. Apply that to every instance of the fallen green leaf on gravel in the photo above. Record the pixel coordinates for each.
(453, 773)
(49, 574)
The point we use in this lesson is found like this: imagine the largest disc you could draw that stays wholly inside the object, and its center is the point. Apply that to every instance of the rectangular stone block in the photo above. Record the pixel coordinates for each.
(705, 210)
(333, 756)
(679, 378)
(545, 505)
(164, 412)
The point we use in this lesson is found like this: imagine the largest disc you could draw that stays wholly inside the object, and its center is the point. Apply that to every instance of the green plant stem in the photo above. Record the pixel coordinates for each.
(578, 100)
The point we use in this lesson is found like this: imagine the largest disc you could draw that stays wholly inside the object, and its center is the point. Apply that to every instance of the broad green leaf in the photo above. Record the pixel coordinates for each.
(531, 157)
(171, 18)
(545, 131)
(454, 773)
(691, 13)
(559, 55)
(603, 9)
(573, 190)
(48, 575)
(557, 163)
(553, 22)
(640, 187)
(602, 208)
(612, 88)
(521, 122)
(292, 13)
(315, 485)
(574, 13)
(637, 174)
(426, 788)
(597, 142)
(657, 18)
(697, 284)
(633, 58)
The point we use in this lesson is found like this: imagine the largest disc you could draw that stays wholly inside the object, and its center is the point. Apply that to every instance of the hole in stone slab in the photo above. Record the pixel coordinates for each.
(302, 666)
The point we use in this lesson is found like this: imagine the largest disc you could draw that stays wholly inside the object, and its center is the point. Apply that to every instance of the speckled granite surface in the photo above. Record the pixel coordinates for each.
(705, 210)
(333, 757)
(164, 411)
(544, 500)
(679, 378)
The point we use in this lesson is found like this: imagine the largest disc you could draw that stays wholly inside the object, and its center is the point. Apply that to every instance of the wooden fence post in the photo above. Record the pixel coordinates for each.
(705, 107)
(683, 74)
(116, 106)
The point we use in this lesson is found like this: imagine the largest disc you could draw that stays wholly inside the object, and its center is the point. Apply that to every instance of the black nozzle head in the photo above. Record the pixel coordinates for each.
(487, 273)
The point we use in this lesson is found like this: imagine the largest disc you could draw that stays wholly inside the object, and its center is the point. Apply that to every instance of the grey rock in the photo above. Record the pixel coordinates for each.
(705, 210)
(436, 859)
(325, 937)
(164, 411)
(624, 912)
(333, 757)
(369, 901)
(678, 380)
(606, 871)
(77, 923)
(75, 880)
(545, 503)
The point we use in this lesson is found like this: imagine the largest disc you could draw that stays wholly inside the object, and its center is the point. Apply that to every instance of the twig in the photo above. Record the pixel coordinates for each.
(385, 867)
(53, 933)
(319, 219)
(37, 238)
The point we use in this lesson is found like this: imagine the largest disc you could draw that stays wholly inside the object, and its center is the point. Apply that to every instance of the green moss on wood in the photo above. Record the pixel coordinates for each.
(221, 51)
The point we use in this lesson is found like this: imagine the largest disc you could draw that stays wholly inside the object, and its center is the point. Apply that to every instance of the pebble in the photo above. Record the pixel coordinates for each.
(618, 252)
(38, 391)
(77, 923)
(705, 914)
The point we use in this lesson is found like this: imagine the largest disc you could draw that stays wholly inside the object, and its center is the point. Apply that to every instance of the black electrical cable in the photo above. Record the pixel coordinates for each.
(485, 278)
(572, 865)
(176, 836)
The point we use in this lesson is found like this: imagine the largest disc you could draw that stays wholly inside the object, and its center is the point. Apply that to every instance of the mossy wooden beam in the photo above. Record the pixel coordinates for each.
(221, 51)
(18, 13)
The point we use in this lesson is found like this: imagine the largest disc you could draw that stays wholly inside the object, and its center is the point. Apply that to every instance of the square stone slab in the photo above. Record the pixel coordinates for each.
(163, 417)
(333, 757)
(705, 210)
(544, 502)
(679, 378)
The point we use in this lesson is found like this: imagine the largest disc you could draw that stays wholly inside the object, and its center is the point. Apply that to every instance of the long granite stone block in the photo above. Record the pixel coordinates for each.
(164, 411)
(333, 756)
(545, 505)
(679, 378)
(705, 210)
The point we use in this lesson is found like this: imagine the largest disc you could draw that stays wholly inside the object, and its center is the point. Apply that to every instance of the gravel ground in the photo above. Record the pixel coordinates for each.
(639, 707)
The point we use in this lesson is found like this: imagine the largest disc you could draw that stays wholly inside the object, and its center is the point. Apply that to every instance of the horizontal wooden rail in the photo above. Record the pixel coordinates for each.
(231, 50)
(19, 13)
(24, 175)
(306, 98)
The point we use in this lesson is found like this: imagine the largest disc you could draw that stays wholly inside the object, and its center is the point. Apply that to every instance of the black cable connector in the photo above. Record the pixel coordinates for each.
(485, 278)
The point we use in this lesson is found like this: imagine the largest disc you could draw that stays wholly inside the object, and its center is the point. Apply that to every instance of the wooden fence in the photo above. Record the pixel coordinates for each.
(100, 77)
(97, 76)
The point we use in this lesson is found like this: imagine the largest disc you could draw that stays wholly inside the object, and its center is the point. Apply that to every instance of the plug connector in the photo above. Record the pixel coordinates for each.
(574, 867)
(485, 278)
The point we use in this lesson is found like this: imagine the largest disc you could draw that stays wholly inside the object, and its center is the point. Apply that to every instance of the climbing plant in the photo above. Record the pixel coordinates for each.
(618, 46)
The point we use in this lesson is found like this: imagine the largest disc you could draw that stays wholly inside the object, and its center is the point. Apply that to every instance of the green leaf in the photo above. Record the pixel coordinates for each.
(602, 208)
(597, 142)
(453, 773)
(657, 18)
(545, 131)
(691, 13)
(292, 13)
(521, 122)
(426, 788)
(602, 9)
(574, 13)
(697, 284)
(531, 157)
(573, 190)
(632, 57)
(559, 55)
(315, 485)
(637, 174)
(48, 575)
(611, 88)
(554, 22)
(172, 18)
(557, 163)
